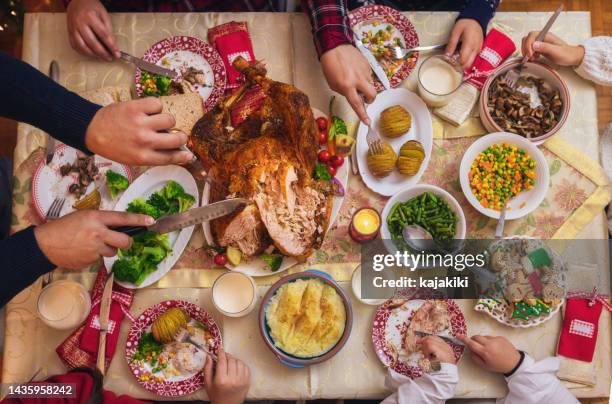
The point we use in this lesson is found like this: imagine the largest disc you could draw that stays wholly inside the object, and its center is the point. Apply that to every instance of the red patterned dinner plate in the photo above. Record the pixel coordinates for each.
(389, 329)
(179, 52)
(376, 17)
(159, 383)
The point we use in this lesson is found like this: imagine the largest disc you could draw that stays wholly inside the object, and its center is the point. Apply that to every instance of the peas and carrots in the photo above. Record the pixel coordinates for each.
(501, 172)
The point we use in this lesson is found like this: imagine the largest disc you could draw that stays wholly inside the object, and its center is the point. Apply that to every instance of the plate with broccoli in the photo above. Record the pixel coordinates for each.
(158, 192)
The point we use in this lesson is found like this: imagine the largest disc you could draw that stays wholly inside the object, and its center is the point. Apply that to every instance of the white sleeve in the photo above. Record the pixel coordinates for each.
(536, 382)
(596, 65)
(431, 388)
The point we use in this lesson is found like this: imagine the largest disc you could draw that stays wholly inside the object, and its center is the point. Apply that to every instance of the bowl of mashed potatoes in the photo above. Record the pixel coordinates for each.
(305, 318)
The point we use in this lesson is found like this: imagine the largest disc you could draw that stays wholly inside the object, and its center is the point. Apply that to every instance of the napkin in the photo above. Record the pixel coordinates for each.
(580, 327)
(231, 40)
(86, 385)
(250, 102)
(497, 47)
(81, 347)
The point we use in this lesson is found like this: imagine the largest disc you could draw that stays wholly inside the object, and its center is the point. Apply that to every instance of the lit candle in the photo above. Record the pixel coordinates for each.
(364, 225)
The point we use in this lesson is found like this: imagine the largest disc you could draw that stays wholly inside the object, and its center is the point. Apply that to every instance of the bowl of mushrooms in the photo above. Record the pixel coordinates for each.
(535, 108)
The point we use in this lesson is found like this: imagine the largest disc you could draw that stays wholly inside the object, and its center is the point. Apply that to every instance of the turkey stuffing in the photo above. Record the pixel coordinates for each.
(260, 142)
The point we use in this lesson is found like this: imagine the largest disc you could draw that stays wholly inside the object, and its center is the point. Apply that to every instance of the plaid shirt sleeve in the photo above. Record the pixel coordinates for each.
(329, 21)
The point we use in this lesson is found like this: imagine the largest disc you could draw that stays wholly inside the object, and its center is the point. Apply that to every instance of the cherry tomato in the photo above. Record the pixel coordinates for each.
(324, 156)
(331, 170)
(220, 260)
(321, 123)
(336, 161)
(322, 138)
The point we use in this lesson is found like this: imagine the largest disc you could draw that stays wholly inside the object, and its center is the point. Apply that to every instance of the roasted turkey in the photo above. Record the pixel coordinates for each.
(260, 143)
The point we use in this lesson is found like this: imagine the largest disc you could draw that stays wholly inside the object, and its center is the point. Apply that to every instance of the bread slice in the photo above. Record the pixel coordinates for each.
(187, 109)
(107, 95)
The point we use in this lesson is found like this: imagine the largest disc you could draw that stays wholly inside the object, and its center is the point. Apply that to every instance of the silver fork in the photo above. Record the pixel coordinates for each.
(400, 53)
(514, 74)
(374, 142)
(55, 209)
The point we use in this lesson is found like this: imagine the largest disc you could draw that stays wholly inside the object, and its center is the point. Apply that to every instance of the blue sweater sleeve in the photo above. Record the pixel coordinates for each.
(31, 97)
(481, 11)
(21, 263)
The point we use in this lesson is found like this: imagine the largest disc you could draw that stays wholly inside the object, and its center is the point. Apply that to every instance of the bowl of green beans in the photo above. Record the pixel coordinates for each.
(428, 206)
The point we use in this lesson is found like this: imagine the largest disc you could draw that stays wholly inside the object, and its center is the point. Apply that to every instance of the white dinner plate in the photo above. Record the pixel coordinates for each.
(149, 182)
(421, 130)
(526, 201)
(48, 183)
(256, 266)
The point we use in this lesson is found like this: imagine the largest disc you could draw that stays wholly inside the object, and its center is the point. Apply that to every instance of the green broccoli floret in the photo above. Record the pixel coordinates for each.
(274, 261)
(154, 255)
(139, 205)
(172, 190)
(147, 251)
(157, 200)
(163, 84)
(185, 201)
(116, 182)
(127, 269)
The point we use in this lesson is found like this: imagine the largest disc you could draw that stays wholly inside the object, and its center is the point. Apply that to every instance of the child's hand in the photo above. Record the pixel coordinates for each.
(554, 48)
(496, 354)
(229, 383)
(435, 348)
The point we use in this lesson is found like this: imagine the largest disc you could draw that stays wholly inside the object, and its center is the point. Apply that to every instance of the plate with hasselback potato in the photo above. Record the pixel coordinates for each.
(403, 124)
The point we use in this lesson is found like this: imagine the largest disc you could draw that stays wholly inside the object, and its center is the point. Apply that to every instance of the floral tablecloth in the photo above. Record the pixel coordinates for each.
(578, 191)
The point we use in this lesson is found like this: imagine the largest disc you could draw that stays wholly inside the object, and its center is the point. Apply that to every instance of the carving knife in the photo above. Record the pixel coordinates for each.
(191, 217)
(105, 304)
(376, 67)
(149, 67)
(54, 72)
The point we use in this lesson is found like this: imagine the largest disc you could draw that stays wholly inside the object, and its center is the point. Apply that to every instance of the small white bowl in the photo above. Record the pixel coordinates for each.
(408, 193)
(356, 286)
(526, 201)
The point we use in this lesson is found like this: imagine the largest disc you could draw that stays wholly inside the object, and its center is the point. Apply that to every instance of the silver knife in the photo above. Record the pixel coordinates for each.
(150, 67)
(54, 72)
(188, 218)
(444, 337)
(105, 304)
(376, 67)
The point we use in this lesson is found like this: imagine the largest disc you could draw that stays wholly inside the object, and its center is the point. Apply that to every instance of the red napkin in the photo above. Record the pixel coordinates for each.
(250, 102)
(83, 385)
(579, 330)
(81, 347)
(497, 47)
(231, 40)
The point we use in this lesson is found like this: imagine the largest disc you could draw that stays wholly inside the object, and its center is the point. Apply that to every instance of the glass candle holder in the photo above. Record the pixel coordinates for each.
(365, 225)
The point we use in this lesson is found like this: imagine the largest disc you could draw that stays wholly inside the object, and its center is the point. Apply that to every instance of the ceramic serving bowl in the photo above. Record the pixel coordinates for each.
(409, 193)
(290, 360)
(536, 69)
(526, 201)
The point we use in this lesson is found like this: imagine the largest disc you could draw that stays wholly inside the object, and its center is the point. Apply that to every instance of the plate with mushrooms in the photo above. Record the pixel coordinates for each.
(536, 108)
(79, 179)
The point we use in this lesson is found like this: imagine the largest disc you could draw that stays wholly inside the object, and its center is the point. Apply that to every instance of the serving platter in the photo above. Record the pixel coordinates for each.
(149, 182)
(179, 52)
(48, 183)
(421, 130)
(374, 17)
(256, 266)
(175, 385)
(389, 327)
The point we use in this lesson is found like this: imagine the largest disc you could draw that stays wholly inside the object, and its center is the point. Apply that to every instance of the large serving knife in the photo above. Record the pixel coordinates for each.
(191, 217)
(54, 72)
(149, 67)
(376, 67)
(103, 318)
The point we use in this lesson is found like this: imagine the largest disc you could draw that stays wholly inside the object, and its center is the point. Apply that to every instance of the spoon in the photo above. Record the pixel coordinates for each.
(499, 230)
(417, 237)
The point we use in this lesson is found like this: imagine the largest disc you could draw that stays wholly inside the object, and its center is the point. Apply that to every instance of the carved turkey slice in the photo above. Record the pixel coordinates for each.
(261, 142)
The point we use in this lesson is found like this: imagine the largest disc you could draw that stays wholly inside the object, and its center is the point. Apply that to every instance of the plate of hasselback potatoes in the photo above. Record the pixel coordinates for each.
(403, 124)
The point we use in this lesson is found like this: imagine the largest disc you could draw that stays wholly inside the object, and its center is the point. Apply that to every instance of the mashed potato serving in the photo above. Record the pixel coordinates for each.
(306, 318)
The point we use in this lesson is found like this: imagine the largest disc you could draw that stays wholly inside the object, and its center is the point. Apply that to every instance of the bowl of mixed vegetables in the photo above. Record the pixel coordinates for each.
(427, 206)
(504, 169)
